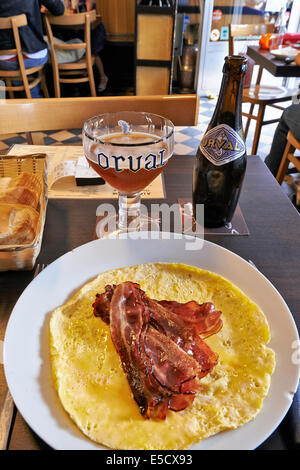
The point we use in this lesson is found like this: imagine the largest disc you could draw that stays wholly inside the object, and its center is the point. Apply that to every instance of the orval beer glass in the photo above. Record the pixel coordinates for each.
(128, 150)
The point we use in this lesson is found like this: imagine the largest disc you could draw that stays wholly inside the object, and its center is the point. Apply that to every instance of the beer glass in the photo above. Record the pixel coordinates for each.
(128, 150)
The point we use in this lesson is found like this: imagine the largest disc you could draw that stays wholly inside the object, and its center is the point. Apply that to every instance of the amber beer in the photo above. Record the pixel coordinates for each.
(220, 162)
(124, 167)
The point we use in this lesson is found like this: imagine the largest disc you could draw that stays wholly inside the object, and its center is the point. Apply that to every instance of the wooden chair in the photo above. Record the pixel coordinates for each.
(21, 74)
(35, 116)
(288, 156)
(261, 95)
(72, 72)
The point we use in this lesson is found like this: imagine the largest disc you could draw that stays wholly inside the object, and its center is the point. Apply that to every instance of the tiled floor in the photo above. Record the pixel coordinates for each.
(187, 139)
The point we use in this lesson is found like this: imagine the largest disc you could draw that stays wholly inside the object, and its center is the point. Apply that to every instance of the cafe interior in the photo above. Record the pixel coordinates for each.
(149, 225)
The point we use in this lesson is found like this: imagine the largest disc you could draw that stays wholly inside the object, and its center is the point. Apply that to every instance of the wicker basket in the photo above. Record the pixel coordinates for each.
(23, 257)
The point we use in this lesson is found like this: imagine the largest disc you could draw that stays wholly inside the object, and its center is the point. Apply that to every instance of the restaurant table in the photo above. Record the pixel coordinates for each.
(273, 245)
(276, 67)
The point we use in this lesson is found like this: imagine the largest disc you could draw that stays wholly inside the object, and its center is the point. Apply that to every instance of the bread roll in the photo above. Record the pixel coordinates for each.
(30, 181)
(20, 195)
(24, 189)
(18, 224)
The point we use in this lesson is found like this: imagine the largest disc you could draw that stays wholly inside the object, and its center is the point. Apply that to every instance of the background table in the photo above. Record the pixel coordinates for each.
(273, 245)
(276, 67)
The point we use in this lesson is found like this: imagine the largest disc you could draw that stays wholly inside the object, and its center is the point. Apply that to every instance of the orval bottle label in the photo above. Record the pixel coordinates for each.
(222, 144)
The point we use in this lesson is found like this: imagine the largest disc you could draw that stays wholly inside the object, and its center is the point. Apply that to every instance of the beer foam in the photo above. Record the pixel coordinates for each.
(136, 138)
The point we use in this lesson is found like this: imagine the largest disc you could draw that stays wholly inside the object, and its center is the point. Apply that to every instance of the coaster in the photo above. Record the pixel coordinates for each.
(176, 218)
(237, 226)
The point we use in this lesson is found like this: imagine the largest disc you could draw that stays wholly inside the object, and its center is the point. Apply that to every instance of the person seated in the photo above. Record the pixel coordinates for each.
(97, 38)
(34, 48)
(289, 121)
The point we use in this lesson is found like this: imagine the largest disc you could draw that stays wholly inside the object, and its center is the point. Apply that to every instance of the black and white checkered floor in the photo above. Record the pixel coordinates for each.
(187, 139)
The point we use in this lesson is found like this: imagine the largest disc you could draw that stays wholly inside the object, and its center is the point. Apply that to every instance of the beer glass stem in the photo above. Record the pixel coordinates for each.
(129, 212)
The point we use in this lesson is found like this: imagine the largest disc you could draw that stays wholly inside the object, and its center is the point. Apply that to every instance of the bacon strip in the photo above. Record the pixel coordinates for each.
(171, 366)
(102, 303)
(204, 318)
(159, 345)
(179, 331)
(129, 321)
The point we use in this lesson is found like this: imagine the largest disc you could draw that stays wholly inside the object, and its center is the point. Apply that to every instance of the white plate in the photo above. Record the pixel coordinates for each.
(26, 347)
(284, 52)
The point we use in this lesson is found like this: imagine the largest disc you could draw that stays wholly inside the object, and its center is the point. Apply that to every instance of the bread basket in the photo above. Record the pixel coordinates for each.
(23, 257)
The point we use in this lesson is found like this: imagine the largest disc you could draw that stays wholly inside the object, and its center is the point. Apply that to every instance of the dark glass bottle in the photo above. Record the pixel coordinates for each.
(220, 162)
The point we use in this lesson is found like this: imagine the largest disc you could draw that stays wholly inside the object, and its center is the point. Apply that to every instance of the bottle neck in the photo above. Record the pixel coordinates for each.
(229, 105)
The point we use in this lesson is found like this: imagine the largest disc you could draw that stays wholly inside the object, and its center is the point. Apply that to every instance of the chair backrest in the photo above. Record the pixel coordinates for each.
(245, 30)
(46, 114)
(15, 22)
(67, 21)
(71, 20)
(7, 22)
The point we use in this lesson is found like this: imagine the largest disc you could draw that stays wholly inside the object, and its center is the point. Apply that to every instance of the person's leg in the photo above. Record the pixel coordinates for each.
(290, 120)
(97, 45)
(103, 77)
(36, 92)
(10, 65)
(29, 63)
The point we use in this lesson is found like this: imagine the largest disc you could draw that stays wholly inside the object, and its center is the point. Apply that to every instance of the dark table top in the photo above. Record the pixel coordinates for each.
(276, 67)
(273, 245)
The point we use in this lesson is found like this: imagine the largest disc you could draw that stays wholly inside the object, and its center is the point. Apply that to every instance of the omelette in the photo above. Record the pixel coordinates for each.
(93, 387)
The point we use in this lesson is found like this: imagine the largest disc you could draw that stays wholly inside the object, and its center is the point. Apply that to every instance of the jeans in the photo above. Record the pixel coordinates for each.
(289, 121)
(28, 63)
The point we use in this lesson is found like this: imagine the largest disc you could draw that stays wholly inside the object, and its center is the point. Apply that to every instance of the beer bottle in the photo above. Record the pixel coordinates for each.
(220, 161)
